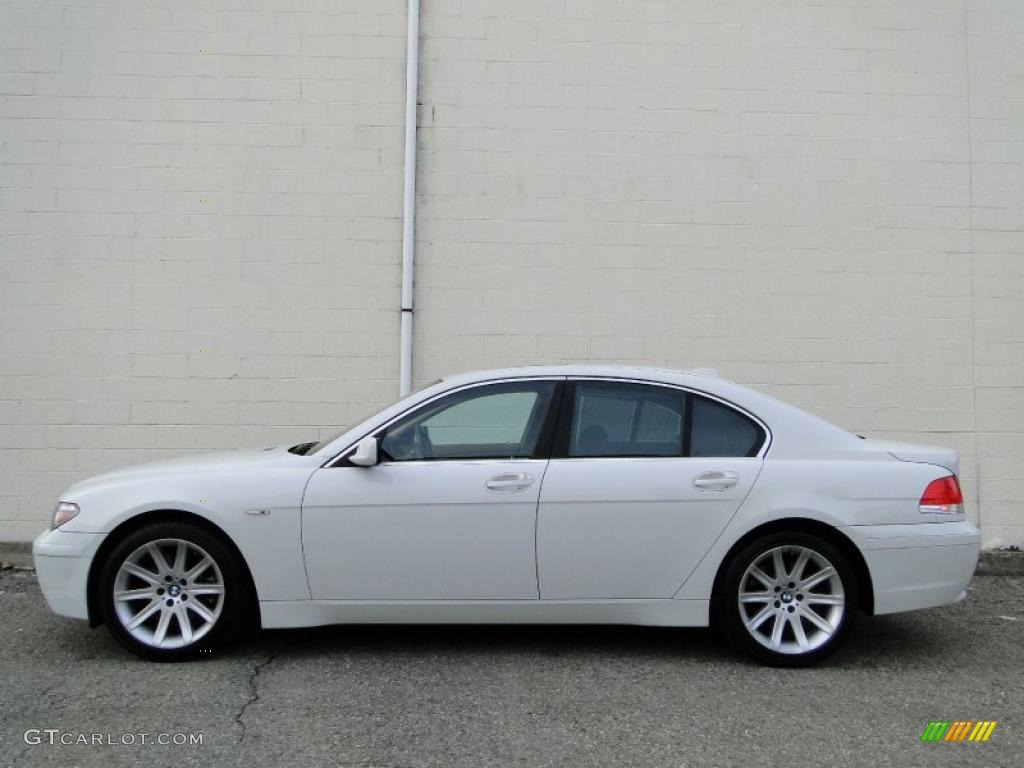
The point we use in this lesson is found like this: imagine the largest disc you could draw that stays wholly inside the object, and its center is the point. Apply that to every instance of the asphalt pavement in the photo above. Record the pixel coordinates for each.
(405, 697)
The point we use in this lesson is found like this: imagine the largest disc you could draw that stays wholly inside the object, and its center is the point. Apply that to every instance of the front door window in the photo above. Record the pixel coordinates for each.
(497, 421)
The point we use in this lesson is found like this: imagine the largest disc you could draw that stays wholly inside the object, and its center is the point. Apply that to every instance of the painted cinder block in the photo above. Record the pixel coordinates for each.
(201, 217)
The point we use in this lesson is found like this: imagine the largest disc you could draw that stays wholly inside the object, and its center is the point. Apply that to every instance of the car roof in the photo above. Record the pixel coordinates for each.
(794, 432)
(589, 370)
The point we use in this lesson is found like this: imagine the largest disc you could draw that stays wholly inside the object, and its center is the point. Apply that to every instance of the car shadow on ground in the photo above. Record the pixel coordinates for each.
(875, 641)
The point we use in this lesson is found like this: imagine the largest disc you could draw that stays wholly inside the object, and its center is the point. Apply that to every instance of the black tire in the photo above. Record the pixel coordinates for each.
(793, 604)
(229, 610)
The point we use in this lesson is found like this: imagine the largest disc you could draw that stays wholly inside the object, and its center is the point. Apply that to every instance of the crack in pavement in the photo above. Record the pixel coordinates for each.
(43, 694)
(24, 751)
(254, 693)
(17, 757)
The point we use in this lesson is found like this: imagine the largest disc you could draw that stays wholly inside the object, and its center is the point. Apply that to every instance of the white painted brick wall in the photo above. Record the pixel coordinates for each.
(200, 209)
(199, 204)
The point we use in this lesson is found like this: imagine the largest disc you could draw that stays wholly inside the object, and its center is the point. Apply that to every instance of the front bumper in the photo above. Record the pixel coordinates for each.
(62, 563)
(918, 566)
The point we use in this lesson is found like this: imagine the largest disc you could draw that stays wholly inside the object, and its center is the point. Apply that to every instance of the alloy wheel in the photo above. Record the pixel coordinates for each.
(168, 593)
(791, 600)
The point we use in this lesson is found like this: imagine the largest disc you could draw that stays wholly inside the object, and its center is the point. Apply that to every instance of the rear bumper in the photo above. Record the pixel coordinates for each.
(62, 563)
(918, 566)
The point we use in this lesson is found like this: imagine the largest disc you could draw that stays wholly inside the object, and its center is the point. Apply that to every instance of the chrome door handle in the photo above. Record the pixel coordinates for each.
(512, 482)
(716, 481)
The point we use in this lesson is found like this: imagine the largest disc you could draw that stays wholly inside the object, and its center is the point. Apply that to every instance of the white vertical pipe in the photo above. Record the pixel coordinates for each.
(412, 60)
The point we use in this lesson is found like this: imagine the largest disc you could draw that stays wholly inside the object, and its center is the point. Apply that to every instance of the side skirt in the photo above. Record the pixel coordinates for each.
(282, 614)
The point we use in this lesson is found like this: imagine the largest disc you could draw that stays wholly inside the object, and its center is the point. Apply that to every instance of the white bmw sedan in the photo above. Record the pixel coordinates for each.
(561, 495)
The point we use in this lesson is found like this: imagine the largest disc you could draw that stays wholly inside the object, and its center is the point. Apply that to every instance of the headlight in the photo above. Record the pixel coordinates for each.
(64, 511)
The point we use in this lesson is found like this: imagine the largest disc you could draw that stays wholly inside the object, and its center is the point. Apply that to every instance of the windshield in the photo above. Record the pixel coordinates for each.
(314, 447)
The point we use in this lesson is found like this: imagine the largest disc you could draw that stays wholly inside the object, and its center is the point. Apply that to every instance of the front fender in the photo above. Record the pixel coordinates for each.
(270, 542)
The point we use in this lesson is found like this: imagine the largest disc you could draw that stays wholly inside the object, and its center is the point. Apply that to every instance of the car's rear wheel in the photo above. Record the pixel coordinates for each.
(170, 591)
(788, 599)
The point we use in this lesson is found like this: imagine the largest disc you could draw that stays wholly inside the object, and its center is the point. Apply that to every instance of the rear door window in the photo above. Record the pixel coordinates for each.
(620, 419)
(625, 419)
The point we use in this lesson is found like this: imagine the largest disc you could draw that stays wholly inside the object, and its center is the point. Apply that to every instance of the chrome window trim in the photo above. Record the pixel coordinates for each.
(343, 454)
(766, 445)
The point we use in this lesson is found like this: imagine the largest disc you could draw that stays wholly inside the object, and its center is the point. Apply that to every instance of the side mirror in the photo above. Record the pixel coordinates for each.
(365, 454)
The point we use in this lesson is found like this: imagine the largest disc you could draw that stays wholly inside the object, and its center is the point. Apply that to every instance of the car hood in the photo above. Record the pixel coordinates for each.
(192, 464)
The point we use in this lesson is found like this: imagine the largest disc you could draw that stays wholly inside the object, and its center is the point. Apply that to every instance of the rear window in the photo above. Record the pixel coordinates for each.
(721, 431)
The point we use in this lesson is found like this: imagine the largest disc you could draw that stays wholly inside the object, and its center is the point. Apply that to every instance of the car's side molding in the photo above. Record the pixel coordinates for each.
(663, 612)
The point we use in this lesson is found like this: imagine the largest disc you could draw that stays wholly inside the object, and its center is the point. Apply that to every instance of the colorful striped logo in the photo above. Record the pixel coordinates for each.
(958, 730)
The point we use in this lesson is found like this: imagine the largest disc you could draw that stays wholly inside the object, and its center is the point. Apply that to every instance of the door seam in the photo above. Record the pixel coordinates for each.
(536, 528)
(721, 533)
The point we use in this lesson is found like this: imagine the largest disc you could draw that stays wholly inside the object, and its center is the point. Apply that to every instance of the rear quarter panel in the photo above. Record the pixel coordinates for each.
(839, 493)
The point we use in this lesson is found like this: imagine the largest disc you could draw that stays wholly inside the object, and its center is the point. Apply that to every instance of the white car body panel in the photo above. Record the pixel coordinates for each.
(223, 488)
(846, 495)
(421, 530)
(380, 547)
(631, 527)
(62, 568)
(921, 454)
(646, 613)
(917, 566)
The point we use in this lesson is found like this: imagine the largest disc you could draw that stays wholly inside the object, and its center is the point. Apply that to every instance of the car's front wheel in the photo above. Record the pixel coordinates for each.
(171, 590)
(788, 599)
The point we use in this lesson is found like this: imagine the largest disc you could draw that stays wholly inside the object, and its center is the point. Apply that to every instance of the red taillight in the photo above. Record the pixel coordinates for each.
(942, 497)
